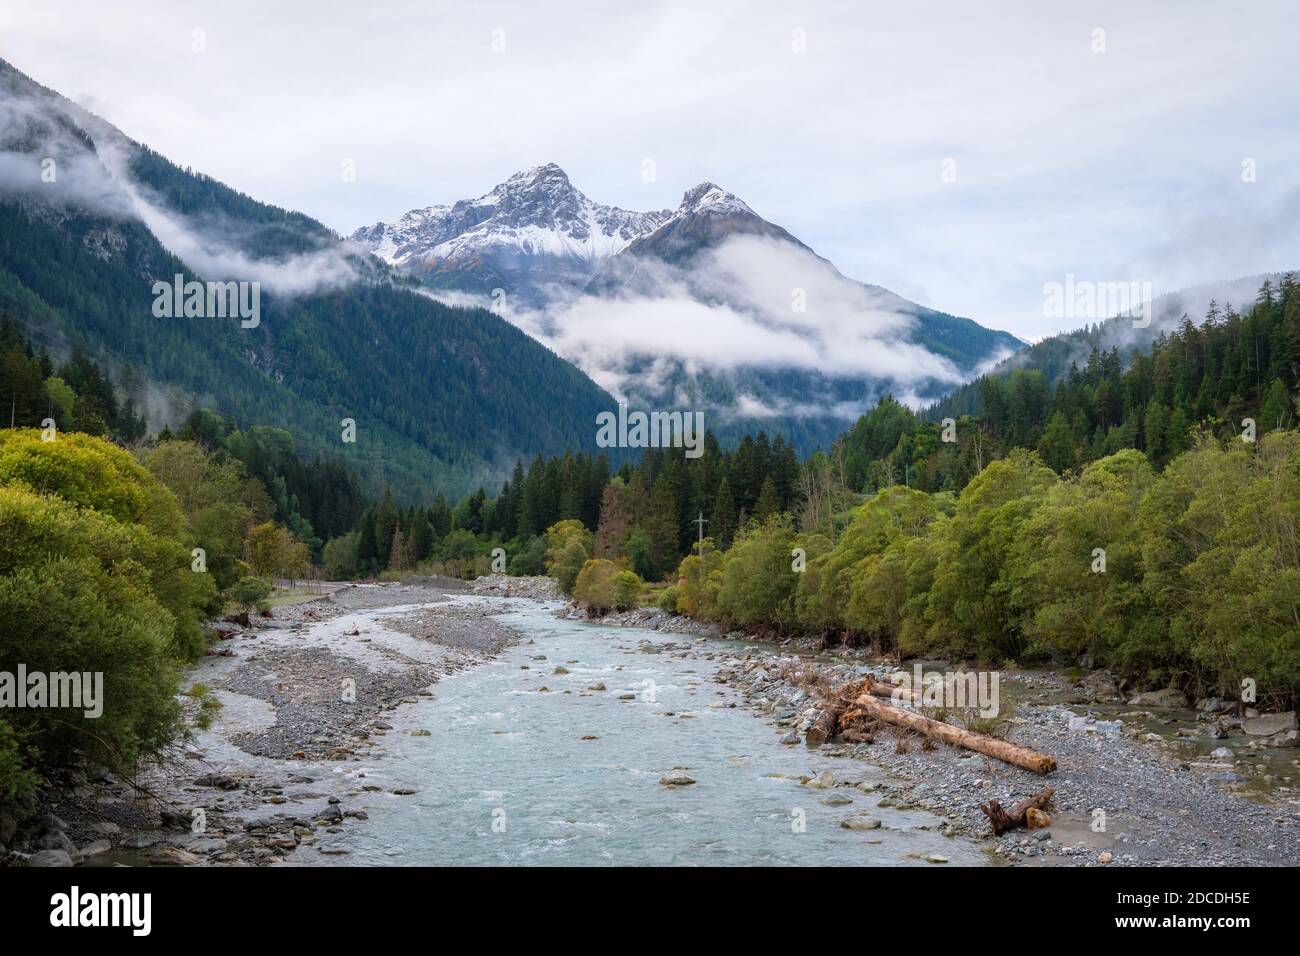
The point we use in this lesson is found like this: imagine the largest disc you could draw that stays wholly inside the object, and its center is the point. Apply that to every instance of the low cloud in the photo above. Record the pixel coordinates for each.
(56, 154)
(751, 303)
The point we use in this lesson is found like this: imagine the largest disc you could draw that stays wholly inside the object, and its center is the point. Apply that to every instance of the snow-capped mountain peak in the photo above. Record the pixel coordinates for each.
(536, 220)
(710, 197)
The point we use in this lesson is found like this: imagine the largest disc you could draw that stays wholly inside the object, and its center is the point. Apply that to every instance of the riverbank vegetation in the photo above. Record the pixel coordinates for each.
(1142, 518)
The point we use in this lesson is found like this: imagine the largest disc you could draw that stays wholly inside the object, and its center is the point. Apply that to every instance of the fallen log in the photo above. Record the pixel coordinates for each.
(890, 691)
(827, 723)
(1003, 821)
(980, 743)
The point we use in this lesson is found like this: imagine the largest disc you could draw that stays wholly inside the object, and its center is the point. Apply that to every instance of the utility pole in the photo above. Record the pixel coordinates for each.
(700, 523)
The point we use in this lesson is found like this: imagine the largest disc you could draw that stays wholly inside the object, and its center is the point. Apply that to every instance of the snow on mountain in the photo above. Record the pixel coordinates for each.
(706, 304)
(535, 224)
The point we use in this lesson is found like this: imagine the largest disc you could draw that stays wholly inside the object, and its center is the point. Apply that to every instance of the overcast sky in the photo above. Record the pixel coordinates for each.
(1125, 164)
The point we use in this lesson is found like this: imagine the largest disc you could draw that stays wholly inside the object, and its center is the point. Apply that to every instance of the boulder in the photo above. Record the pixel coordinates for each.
(1288, 738)
(1169, 697)
(1036, 819)
(822, 781)
(860, 823)
(1269, 724)
(96, 848)
(50, 858)
(1099, 684)
(676, 780)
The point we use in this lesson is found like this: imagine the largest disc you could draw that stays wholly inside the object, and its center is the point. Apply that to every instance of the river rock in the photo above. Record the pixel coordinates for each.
(860, 823)
(676, 780)
(823, 781)
(1037, 819)
(1169, 697)
(55, 840)
(96, 848)
(791, 738)
(50, 858)
(1269, 724)
(1288, 738)
(220, 781)
(1099, 684)
(1221, 753)
(175, 856)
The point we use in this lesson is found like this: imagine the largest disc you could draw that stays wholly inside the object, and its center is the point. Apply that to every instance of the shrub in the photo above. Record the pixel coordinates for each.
(758, 579)
(667, 600)
(248, 593)
(568, 546)
(74, 597)
(602, 586)
(531, 559)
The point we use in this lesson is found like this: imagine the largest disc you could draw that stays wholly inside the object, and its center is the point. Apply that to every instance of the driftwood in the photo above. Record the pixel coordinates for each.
(827, 723)
(980, 743)
(889, 691)
(1003, 821)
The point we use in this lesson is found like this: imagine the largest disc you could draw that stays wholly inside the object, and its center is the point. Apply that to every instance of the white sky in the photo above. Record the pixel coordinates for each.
(1122, 165)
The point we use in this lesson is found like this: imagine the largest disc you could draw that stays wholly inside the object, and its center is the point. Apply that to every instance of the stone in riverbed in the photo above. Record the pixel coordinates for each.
(822, 781)
(1269, 724)
(1287, 738)
(50, 858)
(676, 780)
(790, 738)
(860, 823)
(1169, 697)
(220, 781)
(175, 856)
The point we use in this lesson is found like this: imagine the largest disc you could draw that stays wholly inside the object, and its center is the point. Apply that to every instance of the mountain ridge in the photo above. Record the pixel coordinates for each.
(687, 273)
(444, 398)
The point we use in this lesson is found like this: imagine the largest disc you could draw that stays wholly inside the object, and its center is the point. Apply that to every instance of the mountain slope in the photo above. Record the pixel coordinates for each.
(442, 397)
(1054, 356)
(706, 306)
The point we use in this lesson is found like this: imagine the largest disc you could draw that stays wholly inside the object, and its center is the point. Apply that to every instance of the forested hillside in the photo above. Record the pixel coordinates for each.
(443, 398)
(1213, 375)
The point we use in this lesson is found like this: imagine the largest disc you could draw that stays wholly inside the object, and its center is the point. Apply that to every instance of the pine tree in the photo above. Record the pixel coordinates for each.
(768, 503)
(397, 550)
(1277, 411)
(722, 521)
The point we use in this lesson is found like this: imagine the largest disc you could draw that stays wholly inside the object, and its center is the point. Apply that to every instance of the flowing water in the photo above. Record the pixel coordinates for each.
(505, 776)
